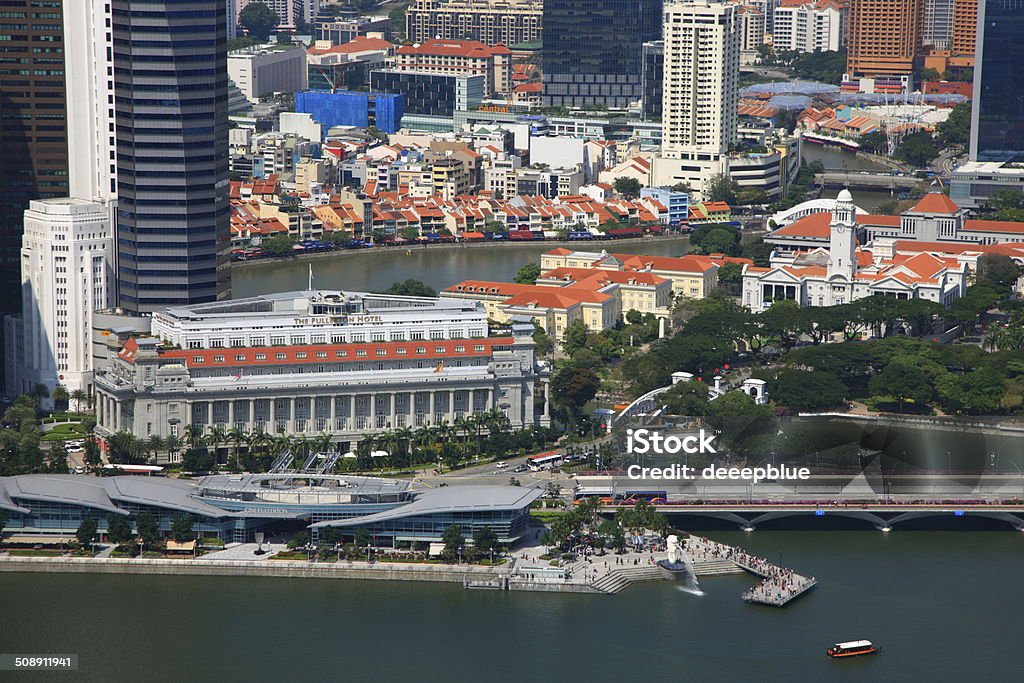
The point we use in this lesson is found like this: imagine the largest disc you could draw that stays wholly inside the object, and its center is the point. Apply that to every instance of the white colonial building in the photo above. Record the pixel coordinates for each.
(312, 362)
(834, 270)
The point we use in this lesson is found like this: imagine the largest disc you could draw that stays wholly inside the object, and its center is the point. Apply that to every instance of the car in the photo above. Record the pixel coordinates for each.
(79, 470)
(502, 465)
(520, 468)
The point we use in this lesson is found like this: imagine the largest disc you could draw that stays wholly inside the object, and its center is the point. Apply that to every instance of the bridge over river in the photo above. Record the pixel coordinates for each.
(883, 501)
(865, 180)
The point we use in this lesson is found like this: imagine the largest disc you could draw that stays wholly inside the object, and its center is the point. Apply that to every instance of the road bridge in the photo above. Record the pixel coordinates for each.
(864, 180)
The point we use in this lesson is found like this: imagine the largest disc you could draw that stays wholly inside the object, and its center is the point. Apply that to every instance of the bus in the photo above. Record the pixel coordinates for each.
(544, 461)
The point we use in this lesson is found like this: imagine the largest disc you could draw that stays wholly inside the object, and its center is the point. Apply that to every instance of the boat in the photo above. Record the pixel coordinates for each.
(853, 648)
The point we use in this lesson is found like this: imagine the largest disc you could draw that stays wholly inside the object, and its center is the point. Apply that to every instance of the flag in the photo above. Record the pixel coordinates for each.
(238, 376)
(440, 367)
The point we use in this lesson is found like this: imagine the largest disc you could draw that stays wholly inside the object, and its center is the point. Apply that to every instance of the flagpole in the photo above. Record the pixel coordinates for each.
(310, 287)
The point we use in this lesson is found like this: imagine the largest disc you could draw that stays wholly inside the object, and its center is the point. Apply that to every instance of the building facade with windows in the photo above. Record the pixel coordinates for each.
(171, 112)
(490, 21)
(593, 50)
(311, 362)
(67, 274)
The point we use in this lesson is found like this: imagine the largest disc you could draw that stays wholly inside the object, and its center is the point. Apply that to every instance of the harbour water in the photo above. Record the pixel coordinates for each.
(945, 606)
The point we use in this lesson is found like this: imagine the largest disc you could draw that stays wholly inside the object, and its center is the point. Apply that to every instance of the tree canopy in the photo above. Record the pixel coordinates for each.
(258, 20)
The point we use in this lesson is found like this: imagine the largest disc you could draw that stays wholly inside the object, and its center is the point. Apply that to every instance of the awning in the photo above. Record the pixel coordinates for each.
(39, 539)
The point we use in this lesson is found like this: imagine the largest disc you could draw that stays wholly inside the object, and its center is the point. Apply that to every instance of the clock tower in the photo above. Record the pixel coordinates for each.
(842, 259)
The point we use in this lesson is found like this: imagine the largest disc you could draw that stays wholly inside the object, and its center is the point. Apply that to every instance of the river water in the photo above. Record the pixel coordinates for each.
(837, 159)
(945, 606)
(378, 268)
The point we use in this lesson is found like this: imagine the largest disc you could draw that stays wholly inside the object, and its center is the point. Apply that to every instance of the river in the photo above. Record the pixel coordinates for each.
(837, 159)
(945, 606)
(378, 268)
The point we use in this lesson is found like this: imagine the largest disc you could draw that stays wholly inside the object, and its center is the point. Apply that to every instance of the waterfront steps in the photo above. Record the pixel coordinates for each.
(621, 578)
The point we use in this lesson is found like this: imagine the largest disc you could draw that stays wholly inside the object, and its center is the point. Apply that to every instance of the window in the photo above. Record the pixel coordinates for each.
(421, 350)
(216, 343)
(237, 342)
(338, 339)
(361, 352)
(358, 338)
(438, 349)
(460, 349)
(297, 340)
(321, 354)
(240, 357)
(416, 336)
(400, 352)
(198, 359)
(382, 352)
(377, 336)
(195, 345)
(437, 334)
(341, 354)
(319, 339)
(478, 348)
(280, 356)
(218, 359)
(300, 355)
(261, 356)
(277, 341)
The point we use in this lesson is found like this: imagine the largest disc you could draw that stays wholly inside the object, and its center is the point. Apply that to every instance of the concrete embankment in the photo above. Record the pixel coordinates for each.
(280, 568)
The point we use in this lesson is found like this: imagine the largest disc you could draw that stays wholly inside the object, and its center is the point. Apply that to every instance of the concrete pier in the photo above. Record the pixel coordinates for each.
(778, 586)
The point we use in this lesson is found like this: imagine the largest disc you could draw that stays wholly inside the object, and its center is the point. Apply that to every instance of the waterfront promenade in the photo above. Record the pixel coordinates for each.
(778, 586)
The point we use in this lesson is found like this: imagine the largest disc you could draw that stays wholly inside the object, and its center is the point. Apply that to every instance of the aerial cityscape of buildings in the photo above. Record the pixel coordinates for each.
(149, 149)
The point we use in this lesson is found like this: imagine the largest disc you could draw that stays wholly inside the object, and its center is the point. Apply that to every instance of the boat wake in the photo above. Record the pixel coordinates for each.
(692, 591)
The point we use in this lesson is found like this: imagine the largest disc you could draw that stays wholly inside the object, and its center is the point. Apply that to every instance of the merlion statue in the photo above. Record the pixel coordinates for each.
(675, 550)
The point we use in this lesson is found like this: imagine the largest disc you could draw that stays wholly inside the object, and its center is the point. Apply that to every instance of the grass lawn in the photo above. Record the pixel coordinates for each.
(34, 552)
(290, 555)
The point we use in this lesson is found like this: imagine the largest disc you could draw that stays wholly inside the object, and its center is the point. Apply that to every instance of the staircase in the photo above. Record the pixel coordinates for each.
(715, 568)
(618, 580)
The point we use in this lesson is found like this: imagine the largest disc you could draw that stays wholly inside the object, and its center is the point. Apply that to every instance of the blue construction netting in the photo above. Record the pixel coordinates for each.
(790, 102)
(913, 98)
(352, 108)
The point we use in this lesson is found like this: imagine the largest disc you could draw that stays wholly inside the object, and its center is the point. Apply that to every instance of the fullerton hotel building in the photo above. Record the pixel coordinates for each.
(314, 362)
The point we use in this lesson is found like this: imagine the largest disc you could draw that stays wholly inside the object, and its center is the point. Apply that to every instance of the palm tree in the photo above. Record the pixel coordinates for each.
(404, 435)
(122, 447)
(154, 443)
(217, 436)
(79, 397)
(235, 437)
(60, 397)
(194, 435)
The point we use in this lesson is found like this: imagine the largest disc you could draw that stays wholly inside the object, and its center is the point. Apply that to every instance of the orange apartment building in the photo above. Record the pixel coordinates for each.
(965, 26)
(885, 37)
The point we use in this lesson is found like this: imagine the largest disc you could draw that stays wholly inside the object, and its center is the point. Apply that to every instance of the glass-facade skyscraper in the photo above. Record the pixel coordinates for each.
(170, 101)
(997, 133)
(592, 50)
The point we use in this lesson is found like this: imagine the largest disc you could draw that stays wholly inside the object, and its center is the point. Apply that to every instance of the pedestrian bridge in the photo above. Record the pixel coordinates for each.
(784, 218)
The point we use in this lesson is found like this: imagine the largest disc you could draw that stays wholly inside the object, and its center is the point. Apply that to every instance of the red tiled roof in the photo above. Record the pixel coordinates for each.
(994, 226)
(351, 352)
(449, 48)
(936, 202)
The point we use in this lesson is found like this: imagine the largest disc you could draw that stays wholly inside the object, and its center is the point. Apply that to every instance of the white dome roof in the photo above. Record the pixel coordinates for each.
(844, 196)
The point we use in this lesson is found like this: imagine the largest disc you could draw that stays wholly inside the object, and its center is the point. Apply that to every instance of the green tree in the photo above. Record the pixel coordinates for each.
(545, 344)
(576, 336)
(998, 271)
(627, 187)
(956, 130)
(917, 149)
(148, 529)
(181, 528)
(876, 142)
(738, 418)
(485, 540)
(119, 530)
(60, 397)
(721, 188)
(411, 287)
(903, 381)
(195, 460)
(454, 544)
(3, 522)
(527, 274)
(687, 398)
(807, 389)
(572, 388)
(86, 533)
(258, 20)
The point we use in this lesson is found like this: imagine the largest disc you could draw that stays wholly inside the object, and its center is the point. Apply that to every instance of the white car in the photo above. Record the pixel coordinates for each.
(502, 465)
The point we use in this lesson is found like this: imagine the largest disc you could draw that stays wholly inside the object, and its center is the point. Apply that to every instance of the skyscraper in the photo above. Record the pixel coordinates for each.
(997, 131)
(700, 101)
(33, 148)
(885, 37)
(171, 93)
(592, 50)
(965, 27)
(937, 27)
(700, 97)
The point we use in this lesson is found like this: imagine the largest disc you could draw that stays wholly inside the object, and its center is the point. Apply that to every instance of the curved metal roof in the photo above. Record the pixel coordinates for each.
(450, 499)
